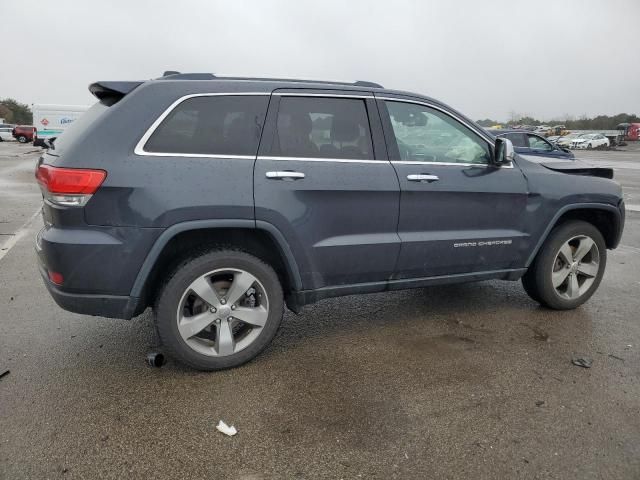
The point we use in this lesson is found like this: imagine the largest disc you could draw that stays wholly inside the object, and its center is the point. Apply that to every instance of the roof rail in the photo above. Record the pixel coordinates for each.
(365, 83)
(174, 75)
(171, 75)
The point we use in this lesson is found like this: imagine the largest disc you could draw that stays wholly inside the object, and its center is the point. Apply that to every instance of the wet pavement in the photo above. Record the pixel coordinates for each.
(463, 381)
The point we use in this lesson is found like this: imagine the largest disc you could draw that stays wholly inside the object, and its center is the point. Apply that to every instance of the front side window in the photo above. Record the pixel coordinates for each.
(212, 125)
(424, 134)
(319, 127)
(537, 143)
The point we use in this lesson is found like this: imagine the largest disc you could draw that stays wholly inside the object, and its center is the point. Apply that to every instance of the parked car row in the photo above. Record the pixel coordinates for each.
(6, 132)
(529, 143)
(21, 133)
(589, 141)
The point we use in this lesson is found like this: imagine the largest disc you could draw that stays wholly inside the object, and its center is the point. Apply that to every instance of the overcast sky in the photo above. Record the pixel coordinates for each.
(486, 58)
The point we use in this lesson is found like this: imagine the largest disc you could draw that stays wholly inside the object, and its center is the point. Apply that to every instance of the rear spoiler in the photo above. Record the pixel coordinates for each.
(111, 92)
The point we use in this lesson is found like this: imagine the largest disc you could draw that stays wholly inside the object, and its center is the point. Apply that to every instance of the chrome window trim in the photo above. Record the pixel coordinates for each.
(139, 149)
(314, 159)
(449, 164)
(196, 155)
(452, 164)
(328, 95)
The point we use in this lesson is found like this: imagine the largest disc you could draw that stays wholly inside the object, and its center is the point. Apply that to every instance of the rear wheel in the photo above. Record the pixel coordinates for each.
(219, 310)
(22, 139)
(569, 267)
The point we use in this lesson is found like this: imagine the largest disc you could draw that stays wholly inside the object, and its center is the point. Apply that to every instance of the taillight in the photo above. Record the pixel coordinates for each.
(71, 187)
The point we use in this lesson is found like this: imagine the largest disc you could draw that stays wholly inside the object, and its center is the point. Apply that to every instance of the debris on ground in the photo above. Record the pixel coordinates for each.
(538, 333)
(226, 429)
(5, 373)
(539, 403)
(616, 357)
(583, 362)
(155, 359)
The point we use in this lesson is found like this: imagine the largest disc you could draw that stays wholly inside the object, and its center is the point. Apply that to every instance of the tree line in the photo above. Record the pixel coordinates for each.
(601, 122)
(15, 112)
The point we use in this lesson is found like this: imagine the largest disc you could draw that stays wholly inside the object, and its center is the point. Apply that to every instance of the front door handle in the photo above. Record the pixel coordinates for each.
(285, 175)
(422, 177)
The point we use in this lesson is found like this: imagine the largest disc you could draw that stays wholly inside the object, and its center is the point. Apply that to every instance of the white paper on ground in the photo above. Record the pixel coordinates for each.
(226, 429)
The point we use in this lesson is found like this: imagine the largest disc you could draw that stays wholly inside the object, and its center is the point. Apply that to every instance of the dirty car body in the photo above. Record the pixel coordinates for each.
(338, 188)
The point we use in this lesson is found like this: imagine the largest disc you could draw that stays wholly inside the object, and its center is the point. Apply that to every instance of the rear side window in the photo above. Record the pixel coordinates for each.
(319, 127)
(213, 125)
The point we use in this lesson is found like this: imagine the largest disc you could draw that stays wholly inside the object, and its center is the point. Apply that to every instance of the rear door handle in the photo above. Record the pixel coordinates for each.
(285, 175)
(422, 177)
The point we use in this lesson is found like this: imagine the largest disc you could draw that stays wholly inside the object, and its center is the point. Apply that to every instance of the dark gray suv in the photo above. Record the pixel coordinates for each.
(216, 200)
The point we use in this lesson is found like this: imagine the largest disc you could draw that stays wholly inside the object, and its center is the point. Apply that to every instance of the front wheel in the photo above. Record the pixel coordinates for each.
(219, 310)
(22, 139)
(589, 147)
(569, 267)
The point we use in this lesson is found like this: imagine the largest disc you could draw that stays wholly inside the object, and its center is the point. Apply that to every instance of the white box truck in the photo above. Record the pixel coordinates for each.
(52, 120)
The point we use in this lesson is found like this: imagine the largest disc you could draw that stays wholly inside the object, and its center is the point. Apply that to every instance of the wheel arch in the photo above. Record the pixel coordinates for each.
(606, 218)
(181, 240)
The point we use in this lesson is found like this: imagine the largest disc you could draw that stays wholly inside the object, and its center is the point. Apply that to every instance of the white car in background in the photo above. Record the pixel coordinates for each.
(566, 140)
(6, 134)
(589, 141)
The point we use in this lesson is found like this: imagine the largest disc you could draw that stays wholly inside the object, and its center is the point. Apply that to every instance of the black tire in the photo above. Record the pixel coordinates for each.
(589, 146)
(530, 287)
(538, 279)
(171, 293)
(22, 139)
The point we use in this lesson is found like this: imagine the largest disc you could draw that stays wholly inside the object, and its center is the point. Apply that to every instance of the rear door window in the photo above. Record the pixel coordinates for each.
(212, 125)
(323, 127)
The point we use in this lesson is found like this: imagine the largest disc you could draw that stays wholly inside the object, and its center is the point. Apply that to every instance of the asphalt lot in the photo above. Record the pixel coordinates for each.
(463, 381)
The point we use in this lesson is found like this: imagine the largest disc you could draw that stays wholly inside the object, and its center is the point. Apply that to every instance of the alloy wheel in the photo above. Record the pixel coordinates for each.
(575, 267)
(222, 312)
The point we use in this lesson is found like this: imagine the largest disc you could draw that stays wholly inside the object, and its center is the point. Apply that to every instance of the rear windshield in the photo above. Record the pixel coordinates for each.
(79, 126)
(211, 125)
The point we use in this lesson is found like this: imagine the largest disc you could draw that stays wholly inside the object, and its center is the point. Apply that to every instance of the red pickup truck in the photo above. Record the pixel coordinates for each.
(25, 133)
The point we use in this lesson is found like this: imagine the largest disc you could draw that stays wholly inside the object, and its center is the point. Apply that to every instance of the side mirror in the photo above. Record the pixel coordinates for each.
(503, 152)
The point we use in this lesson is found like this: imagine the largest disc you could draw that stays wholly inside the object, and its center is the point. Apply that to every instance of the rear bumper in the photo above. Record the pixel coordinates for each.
(111, 306)
(98, 266)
